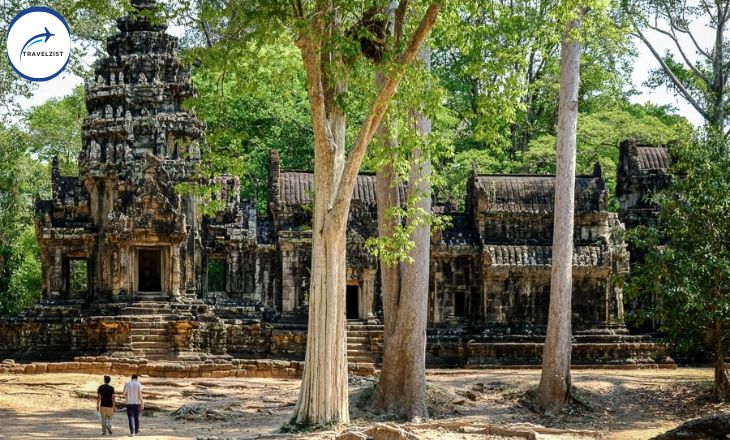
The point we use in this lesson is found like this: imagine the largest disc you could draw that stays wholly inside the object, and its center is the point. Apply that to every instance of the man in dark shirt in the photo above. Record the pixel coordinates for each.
(105, 402)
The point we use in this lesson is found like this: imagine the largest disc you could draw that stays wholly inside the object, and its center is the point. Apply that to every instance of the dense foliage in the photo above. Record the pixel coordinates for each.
(249, 112)
(52, 129)
(19, 259)
(30, 139)
(686, 268)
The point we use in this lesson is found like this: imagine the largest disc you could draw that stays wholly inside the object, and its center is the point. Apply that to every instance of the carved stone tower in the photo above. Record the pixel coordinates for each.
(123, 217)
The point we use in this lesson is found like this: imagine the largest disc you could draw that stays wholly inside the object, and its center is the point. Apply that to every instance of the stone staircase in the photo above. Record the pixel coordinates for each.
(149, 320)
(150, 337)
(359, 335)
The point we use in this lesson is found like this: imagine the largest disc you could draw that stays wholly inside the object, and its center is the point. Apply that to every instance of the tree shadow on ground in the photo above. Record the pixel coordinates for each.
(72, 424)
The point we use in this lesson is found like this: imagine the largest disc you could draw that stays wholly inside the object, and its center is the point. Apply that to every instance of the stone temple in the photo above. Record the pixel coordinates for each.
(131, 268)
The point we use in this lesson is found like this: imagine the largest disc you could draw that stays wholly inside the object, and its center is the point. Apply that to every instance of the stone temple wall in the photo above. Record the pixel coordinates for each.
(131, 268)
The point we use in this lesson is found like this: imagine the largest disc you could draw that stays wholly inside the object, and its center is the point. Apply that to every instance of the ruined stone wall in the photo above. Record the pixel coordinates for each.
(454, 283)
(62, 338)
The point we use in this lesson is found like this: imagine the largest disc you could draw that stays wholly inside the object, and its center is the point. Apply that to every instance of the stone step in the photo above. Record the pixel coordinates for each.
(161, 330)
(145, 352)
(359, 351)
(155, 328)
(364, 327)
(148, 344)
(148, 312)
(146, 318)
(144, 296)
(150, 338)
(154, 356)
(358, 333)
(358, 339)
(152, 319)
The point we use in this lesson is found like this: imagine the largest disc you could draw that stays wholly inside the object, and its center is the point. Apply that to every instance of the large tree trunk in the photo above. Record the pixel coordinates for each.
(554, 390)
(721, 386)
(401, 390)
(323, 397)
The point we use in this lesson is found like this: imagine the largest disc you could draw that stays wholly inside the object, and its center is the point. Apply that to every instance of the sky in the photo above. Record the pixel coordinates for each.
(643, 64)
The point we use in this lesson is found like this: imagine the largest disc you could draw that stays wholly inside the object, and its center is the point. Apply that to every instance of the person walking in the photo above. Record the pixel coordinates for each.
(105, 402)
(135, 403)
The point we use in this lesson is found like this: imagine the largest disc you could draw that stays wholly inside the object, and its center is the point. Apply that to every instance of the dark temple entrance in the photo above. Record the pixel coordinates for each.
(459, 304)
(149, 262)
(352, 300)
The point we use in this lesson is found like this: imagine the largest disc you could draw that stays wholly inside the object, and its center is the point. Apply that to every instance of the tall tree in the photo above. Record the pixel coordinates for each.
(554, 389)
(323, 397)
(697, 73)
(337, 40)
(401, 389)
(18, 183)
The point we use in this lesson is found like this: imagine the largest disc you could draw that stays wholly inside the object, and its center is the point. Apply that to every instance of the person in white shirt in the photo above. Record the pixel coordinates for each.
(135, 403)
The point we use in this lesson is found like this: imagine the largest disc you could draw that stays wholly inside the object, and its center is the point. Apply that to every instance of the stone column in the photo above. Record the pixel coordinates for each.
(288, 283)
(175, 278)
(45, 270)
(367, 294)
(436, 305)
(125, 265)
(57, 278)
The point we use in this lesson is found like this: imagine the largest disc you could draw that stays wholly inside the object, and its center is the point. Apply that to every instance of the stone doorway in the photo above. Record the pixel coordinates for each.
(149, 273)
(352, 302)
(77, 277)
(459, 304)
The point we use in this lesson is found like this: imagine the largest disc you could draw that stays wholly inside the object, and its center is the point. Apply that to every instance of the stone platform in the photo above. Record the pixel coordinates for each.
(195, 333)
(212, 367)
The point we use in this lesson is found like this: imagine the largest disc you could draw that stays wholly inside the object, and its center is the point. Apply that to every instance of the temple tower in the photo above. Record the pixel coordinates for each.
(128, 225)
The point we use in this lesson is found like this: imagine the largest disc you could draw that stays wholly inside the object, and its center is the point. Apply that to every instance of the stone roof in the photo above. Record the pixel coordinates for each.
(535, 255)
(535, 193)
(297, 187)
(653, 158)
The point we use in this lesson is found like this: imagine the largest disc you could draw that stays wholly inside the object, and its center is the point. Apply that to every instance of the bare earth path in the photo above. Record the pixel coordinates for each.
(621, 404)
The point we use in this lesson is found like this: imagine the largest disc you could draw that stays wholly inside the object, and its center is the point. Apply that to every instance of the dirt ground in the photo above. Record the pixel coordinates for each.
(619, 404)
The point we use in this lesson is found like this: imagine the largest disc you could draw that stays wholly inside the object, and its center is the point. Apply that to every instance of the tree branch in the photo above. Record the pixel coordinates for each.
(378, 109)
(689, 64)
(310, 46)
(676, 81)
(684, 28)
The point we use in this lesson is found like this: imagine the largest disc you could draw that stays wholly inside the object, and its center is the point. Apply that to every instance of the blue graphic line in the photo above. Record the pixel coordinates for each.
(30, 41)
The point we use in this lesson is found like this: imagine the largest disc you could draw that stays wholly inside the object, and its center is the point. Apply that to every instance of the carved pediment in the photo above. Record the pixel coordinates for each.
(153, 206)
